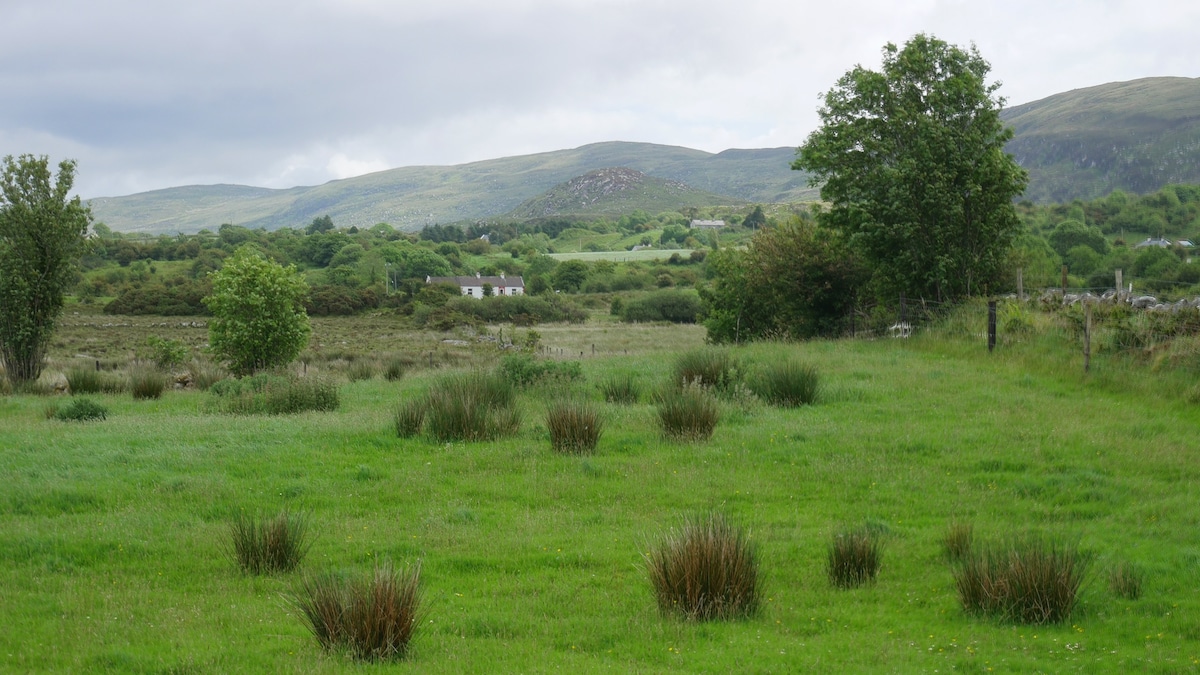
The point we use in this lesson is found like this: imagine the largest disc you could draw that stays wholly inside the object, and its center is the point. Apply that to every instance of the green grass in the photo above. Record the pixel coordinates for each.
(111, 534)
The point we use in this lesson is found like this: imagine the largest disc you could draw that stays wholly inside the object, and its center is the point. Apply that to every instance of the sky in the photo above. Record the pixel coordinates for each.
(149, 94)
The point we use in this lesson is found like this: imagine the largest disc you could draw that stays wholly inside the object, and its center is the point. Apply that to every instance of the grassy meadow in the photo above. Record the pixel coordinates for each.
(114, 534)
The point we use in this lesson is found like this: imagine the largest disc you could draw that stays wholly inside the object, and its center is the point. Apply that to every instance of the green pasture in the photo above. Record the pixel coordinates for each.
(112, 533)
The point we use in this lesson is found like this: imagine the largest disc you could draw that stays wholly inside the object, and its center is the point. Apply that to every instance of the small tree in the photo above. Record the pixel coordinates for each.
(258, 308)
(42, 234)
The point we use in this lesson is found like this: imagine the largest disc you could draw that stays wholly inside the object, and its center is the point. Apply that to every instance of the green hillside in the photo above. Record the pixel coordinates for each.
(1135, 136)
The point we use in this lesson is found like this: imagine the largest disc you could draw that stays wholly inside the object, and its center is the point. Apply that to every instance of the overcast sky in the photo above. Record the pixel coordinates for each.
(155, 93)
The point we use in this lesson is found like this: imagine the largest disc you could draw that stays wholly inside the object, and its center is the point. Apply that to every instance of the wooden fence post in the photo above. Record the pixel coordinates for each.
(991, 325)
(1087, 336)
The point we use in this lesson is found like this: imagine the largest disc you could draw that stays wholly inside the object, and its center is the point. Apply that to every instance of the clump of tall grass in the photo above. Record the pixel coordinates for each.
(689, 413)
(957, 541)
(394, 369)
(706, 569)
(710, 367)
(575, 426)
(787, 384)
(275, 395)
(622, 388)
(410, 417)
(374, 618)
(361, 369)
(78, 410)
(269, 545)
(204, 374)
(854, 557)
(523, 370)
(1026, 580)
(1125, 580)
(87, 380)
(471, 406)
(146, 383)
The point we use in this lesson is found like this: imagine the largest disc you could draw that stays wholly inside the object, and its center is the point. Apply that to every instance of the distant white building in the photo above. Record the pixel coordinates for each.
(1161, 243)
(706, 224)
(473, 286)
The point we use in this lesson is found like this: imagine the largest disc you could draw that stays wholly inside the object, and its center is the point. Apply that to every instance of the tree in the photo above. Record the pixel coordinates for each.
(42, 235)
(570, 275)
(258, 312)
(756, 219)
(912, 161)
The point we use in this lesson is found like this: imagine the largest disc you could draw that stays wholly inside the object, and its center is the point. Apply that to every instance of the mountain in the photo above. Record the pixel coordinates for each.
(615, 192)
(411, 197)
(1136, 136)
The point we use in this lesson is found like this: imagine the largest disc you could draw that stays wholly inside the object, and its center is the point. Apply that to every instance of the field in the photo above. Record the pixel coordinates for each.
(112, 533)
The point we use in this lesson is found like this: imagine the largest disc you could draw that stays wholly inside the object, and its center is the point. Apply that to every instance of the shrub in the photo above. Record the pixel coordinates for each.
(472, 406)
(708, 367)
(956, 543)
(268, 545)
(165, 354)
(854, 558)
(707, 569)
(621, 388)
(275, 395)
(1028, 580)
(410, 417)
(81, 410)
(372, 619)
(145, 383)
(666, 305)
(524, 370)
(394, 369)
(1125, 581)
(575, 427)
(85, 380)
(688, 413)
(787, 384)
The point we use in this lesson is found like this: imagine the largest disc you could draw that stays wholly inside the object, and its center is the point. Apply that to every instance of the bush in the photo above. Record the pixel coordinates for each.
(146, 383)
(854, 558)
(85, 380)
(707, 569)
(1125, 581)
(667, 305)
(787, 384)
(523, 370)
(275, 395)
(268, 546)
(372, 619)
(165, 354)
(708, 367)
(575, 427)
(471, 406)
(410, 417)
(1028, 580)
(621, 388)
(80, 410)
(688, 413)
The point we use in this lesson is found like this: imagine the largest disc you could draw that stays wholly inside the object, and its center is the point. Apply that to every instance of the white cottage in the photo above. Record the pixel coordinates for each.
(473, 286)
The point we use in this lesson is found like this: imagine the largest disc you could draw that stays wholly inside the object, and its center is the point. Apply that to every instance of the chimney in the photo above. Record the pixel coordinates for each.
(502, 276)
(477, 275)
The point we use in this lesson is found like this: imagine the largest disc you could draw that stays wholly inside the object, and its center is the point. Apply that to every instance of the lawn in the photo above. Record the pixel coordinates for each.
(112, 533)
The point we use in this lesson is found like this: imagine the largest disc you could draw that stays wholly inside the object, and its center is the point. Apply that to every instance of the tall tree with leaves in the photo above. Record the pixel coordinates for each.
(42, 234)
(912, 162)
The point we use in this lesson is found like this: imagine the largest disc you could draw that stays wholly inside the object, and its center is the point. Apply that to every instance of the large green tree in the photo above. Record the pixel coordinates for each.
(259, 320)
(911, 160)
(42, 234)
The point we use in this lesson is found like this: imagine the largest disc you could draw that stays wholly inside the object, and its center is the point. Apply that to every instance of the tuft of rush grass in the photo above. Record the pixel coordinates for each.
(854, 557)
(361, 369)
(78, 410)
(471, 406)
(957, 541)
(394, 369)
(621, 388)
(410, 417)
(273, 395)
(372, 619)
(88, 380)
(268, 545)
(205, 374)
(146, 383)
(709, 367)
(1026, 580)
(706, 569)
(787, 384)
(575, 426)
(688, 414)
(1125, 580)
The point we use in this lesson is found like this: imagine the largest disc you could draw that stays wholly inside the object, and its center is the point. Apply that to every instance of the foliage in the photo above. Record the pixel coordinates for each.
(1027, 580)
(205, 374)
(912, 161)
(687, 413)
(709, 367)
(471, 406)
(372, 619)
(666, 305)
(854, 557)
(165, 353)
(268, 545)
(575, 426)
(621, 388)
(146, 383)
(787, 383)
(524, 369)
(258, 313)
(81, 410)
(1071, 233)
(275, 395)
(181, 299)
(706, 569)
(87, 380)
(42, 235)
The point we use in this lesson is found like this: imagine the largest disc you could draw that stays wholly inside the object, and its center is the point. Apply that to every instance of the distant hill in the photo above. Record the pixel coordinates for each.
(614, 192)
(1137, 136)
(411, 197)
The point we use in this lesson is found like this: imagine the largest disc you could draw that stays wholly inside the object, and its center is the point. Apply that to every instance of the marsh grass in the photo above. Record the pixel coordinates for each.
(957, 541)
(788, 384)
(269, 545)
(575, 426)
(146, 383)
(78, 410)
(275, 395)
(410, 417)
(621, 388)
(854, 557)
(1125, 580)
(706, 569)
(709, 367)
(88, 380)
(689, 413)
(471, 406)
(371, 619)
(394, 369)
(1029, 579)
(361, 369)
(205, 374)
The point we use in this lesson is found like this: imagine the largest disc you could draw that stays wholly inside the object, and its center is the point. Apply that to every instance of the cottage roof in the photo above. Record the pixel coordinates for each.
(462, 281)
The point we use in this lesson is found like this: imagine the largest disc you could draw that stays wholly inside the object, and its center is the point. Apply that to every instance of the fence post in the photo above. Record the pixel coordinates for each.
(1020, 283)
(1064, 279)
(1087, 337)
(991, 325)
(1119, 284)
(903, 310)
